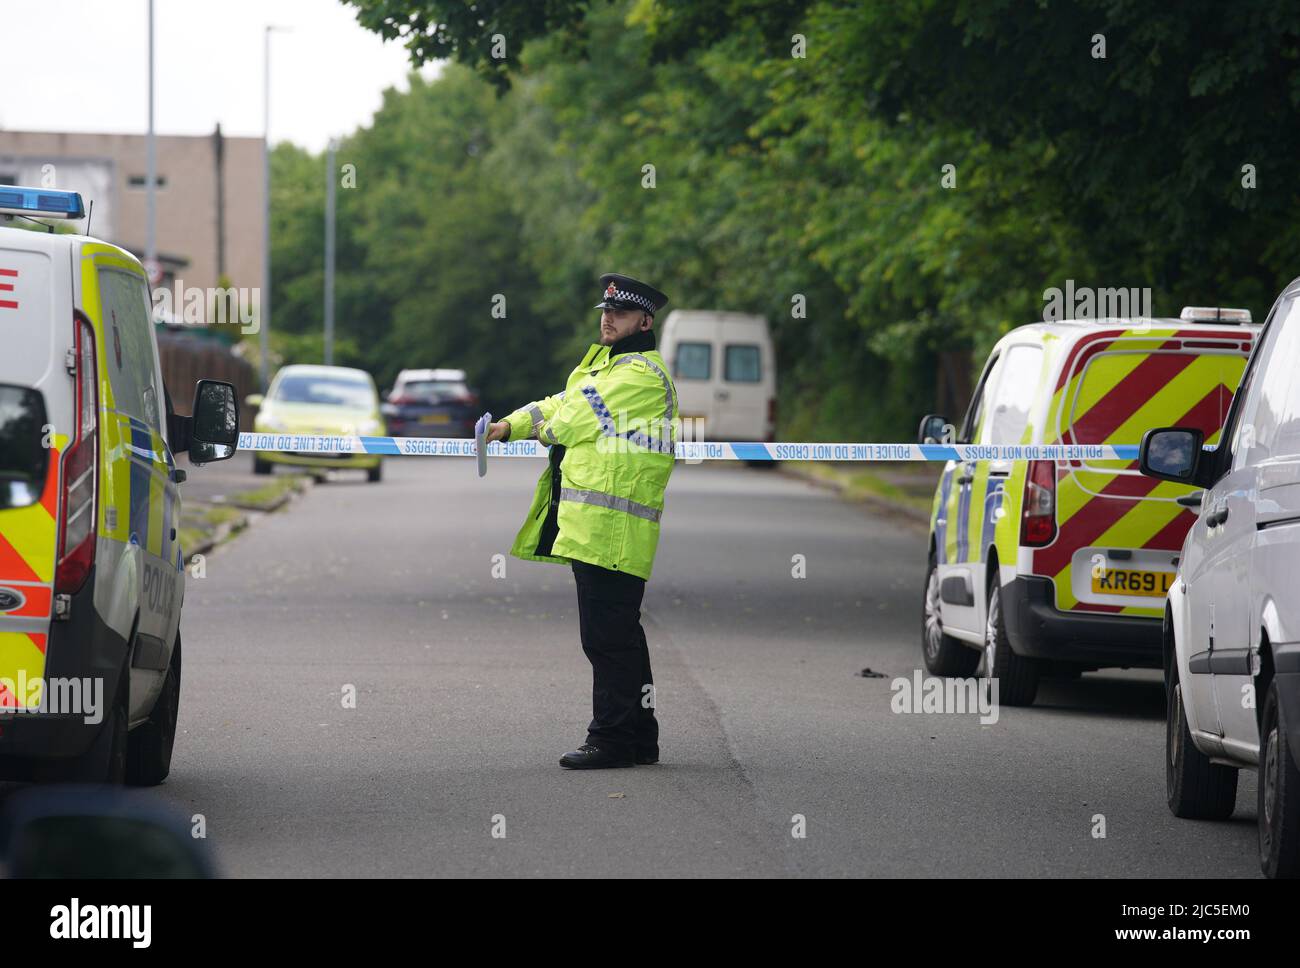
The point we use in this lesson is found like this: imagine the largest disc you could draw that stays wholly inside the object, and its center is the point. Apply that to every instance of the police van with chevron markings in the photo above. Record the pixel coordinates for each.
(91, 572)
(1040, 567)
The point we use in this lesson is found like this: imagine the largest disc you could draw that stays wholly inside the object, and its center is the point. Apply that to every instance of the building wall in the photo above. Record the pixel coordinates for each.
(102, 166)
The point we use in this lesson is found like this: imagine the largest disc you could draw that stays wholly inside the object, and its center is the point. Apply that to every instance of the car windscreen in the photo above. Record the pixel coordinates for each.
(24, 447)
(313, 388)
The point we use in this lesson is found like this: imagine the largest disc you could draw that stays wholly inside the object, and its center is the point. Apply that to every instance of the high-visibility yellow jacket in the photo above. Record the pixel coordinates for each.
(611, 434)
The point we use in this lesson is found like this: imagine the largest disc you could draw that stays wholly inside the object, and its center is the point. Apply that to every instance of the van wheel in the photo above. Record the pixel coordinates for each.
(261, 466)
(1195, 788)
(1017, 675)
(149, 747)
(105, 761)
(375, 474)
(1279, 794)
(944, 655)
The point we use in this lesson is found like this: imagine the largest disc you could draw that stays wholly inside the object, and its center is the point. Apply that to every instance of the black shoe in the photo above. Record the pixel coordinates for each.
(588, 757)
(647, 757)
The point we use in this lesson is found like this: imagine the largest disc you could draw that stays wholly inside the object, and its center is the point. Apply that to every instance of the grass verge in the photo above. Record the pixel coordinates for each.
(205, 525)
(906, 488)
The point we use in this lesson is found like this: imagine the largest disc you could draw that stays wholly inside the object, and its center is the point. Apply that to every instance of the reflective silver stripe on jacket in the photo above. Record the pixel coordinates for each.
(535, 412)
(601, 499)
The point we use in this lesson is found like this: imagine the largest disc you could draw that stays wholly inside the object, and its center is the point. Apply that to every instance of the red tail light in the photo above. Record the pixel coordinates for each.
(771, 418)
(1038, 522)
(77, 506)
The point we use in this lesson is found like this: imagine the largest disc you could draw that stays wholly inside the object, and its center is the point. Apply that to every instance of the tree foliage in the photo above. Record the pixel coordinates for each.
(915, 173)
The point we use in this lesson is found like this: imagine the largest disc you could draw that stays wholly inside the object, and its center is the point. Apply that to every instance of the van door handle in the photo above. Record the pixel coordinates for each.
(965, 478)
(721, 395)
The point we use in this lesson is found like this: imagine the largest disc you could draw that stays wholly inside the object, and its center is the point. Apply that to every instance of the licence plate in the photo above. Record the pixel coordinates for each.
(1125, 581)
(435, 419)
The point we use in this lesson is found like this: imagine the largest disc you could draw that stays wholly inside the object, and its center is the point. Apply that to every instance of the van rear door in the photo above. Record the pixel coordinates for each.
(1119, 532)
(689, 348)
(36, 403)
(744, 350)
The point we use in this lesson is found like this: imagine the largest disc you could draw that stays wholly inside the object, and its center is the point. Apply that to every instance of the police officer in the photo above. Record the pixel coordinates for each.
(597, 508)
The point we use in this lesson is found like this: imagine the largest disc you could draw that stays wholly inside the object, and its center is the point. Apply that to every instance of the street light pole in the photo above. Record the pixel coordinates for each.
(329, 251)
(264, 323)
(151, 172)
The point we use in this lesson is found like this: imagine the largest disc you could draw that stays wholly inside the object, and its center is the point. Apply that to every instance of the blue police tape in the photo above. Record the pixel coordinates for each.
(321, 445)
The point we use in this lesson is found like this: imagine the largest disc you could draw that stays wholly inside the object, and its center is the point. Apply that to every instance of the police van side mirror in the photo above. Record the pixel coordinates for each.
(214, 427)
(932, 429)
(1172, 454)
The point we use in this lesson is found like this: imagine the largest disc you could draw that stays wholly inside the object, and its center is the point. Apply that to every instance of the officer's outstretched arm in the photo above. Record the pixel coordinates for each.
(525, 422)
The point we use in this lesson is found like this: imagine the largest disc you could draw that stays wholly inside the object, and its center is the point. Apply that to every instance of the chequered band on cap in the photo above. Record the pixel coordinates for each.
(614, 294)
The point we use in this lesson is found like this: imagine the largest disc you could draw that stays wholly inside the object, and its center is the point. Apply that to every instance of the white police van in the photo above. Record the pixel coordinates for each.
(91, 571)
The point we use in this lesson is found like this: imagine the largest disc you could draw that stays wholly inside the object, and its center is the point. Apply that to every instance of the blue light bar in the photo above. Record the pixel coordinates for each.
(42, 202)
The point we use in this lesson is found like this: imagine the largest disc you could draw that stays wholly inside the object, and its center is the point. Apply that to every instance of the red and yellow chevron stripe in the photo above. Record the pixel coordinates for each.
(28, 548)
(1112, 389)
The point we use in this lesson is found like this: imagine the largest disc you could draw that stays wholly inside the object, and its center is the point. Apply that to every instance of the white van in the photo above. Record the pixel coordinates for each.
(91, 571)
(1232, 622)
(724, 369)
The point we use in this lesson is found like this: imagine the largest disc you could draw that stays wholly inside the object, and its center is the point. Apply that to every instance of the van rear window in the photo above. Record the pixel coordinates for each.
(741, 363)
(24, 456)
(431, 391)
(693, 361)
(1122, 394)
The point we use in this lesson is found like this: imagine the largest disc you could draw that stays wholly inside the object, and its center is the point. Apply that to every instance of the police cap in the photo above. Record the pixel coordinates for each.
(624, 292)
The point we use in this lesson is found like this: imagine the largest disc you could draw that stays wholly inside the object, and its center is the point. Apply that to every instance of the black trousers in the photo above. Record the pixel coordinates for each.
(609, 616)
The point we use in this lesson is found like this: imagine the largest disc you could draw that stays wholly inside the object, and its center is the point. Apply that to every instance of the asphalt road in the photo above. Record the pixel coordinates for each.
(470, 686)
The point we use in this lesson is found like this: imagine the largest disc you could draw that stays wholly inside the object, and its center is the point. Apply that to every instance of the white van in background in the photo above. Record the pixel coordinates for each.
(724, 369)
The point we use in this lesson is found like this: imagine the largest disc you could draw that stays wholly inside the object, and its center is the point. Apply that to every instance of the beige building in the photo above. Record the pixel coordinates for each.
(209, 215)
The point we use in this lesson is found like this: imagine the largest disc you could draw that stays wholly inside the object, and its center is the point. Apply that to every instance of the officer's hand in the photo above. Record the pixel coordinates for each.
(500, 430)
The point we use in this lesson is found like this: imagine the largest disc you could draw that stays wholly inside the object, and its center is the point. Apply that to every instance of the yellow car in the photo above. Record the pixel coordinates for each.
(306, 399)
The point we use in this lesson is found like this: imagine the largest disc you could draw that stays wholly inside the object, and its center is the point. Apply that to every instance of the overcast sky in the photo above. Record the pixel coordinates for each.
(82, 65)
